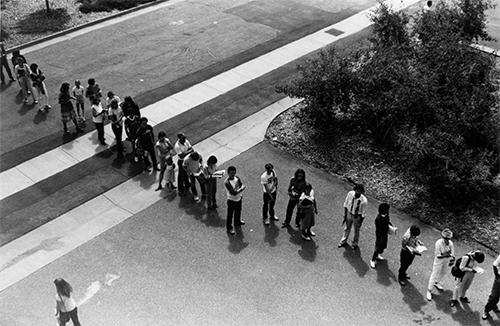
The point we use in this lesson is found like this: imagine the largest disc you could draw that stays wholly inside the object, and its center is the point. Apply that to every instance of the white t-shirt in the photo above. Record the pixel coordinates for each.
(355, 205)
(182, 148)
(269, 180)
(68, 304)
(79, 91)
(98, 110)
(235, 183)
(441, 248)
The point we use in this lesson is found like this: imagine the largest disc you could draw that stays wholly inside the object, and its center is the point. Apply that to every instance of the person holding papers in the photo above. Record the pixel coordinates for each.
(411, 247)
(444, 257)
(192, 166)
(211, 175)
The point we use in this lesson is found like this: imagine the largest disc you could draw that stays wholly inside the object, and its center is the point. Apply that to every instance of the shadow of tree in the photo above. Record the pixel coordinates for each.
(42, 21)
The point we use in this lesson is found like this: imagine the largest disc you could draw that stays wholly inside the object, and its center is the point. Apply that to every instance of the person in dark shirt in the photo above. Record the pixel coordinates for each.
(129, 107)
(93, 91)
(382, 222)
(146, 139)
(295, 189)
(5, 64)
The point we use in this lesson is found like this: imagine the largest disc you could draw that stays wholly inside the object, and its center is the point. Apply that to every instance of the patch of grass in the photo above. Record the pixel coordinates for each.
(42, 21)
(108, 5)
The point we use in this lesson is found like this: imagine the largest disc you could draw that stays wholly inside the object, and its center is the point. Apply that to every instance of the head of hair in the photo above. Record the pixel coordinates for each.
(162, 134)
(414, 231)
(300, 171)
(63, 287)
(180, 135)
(77, 81)
(429, 3)
(64, 87)
(113, 104)
(128, 99)
(20, 61)
(111, 94)
(308, 188)
(268, 166)
(231, 169)
(34, 67)
(359, 187)
(212, 160)
(91, 81)
(195, 156)
(144, 119)
(383, 208)
(96, 100)
(478, 256)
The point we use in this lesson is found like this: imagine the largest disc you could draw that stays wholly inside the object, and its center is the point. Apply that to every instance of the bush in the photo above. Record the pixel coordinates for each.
(109, 5)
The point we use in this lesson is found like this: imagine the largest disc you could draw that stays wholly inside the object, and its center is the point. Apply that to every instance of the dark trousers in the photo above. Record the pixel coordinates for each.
(494, 296)
(182, 177)
(211, 192)
(193, 180)
(73, 314)
(118, 130)
(5, 64)
(292, 203)
(233, 212)
(150, 148)
(406, 258)
(269, 201)
(99, 126)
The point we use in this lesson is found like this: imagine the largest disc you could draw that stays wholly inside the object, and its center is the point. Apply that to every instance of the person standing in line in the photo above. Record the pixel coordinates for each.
(23, 77)
(37, 78)
(234, 191)
(164, 148)
(98, 114)
(211, 182)
(492, 303)
(468, 265)
(67, 109)
(5, 64)
(354, 214)
(129, 107)
(269, 183)
(182, 148)
(66, 308)
(146, 138)
(295, 189)
(382, 223)
(307, 204)
(93, 91)
(79, 94)
(444, 258)
(115, 115)
(111, 97)
(193, 166)
(408, 252)
(16, 54)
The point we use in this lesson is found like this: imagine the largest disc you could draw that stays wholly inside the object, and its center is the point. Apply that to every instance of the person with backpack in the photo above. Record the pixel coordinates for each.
(492, 303)
(408, 252)
(464, 270)
(269, 183)
(66, 308)
(444, 257)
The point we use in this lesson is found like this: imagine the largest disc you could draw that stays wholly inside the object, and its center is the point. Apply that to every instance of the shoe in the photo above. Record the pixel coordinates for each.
(241, 223)
(66, 131)
(48, 107)
(453, 303)
(402, 282)
(407, 277)
(275, 218)
(307, 238)
(438, 286)
(25, 100)
(83, 119)
(372, 264)
(285, 225)
(485, 316)
(354, 246)
(231, 232)
(312, 234)
(429, 296)
(465, 299)
(379, 257)
(266, 221)
(196, 198)
(342, 244)
(41, 110)
(159, 188)
(12, 79)
(29, 92)
(35, 101)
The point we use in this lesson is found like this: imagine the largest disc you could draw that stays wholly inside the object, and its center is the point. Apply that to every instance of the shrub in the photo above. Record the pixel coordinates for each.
(109, 5)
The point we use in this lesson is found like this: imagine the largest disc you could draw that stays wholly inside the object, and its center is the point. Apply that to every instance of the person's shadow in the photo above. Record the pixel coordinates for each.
(295, 236)
(308, 250)
(213, 219)
(384, 275)
(236, 243)
(465, 316)
(353, 256)
(412, 297)
(271, 233)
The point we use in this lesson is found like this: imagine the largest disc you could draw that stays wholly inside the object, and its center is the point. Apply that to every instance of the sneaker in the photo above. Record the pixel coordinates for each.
(307, 238)
(196, 198)
(485, 316)
(231, 232)
(372, 264)
(275, 218)
(312, 234)
(48, 107)
(465, 299)
(453, 303)
(35, 101)
(266, 221)
(342, 244)
(429, 296)
(159, 188)
(379, 257)
(438, 286)
(241, 223)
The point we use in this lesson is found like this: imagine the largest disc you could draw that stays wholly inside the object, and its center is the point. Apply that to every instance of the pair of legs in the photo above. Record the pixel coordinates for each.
(377, 253)
(118, 130)
(73, 315)
(193, 179)
(268, 205)
(99, 126)
(462, 285)
(80, 107)
(493, 299)
(40, 93)
(70, 116)
(439, 269)
(211, 192)
(149, 148)
(351, 220)
(233, 213)
(170, 174)
(25, 84)
(292, 203)
(5, 64)
(182, 178)
(406, 258)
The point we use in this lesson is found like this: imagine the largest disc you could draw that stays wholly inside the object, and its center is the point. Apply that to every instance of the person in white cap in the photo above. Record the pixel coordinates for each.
(444, 258)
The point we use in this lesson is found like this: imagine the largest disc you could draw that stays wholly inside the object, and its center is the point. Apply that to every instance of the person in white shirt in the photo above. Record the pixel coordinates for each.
(468, 266)
(110, 98)
(193, 165)
(182, 148)
(23, 77)
(164, 148)
(115, 115)
(234, 191)
(354, 214)
(79, 94)
(269, 183)
(98, 118)
(66, 308)
(444, 258)
(307, 204)
(494, 297)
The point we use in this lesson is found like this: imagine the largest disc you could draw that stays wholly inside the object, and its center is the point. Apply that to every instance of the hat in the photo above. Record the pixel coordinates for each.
(447, 234)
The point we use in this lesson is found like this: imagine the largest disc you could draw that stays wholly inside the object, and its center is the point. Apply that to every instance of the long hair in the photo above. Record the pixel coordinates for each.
(63, 288)
(64, 87)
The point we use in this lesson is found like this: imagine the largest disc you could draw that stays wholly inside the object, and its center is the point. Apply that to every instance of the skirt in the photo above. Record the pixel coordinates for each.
(68, 115)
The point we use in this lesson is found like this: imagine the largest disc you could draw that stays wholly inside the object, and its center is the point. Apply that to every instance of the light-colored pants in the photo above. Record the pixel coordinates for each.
(462, 285)
(439, 269)
(350, 220)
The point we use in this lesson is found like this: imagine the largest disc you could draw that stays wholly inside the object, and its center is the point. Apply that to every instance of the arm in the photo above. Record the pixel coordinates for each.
(230, 188)
(242, 186)
(464, 263)
(290, 186)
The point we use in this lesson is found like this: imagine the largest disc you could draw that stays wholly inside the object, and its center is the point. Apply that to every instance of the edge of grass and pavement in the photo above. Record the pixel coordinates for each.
(108, 15)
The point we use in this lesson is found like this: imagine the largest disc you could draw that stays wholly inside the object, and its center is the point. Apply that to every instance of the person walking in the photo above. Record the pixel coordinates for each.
(408, 252)
(146, 139)
(182, 148)
(492, 303)
(354, 214)
(467, 269)
(23, 77)
(129, 107)
(382, 225)
(79, 94)
(193, 166)
(444, 258)
(164, 148)
(295, 189)
(269, 183)
(66, 308)
(234, 191)
(67, 110)
(307, 205)
(5, 65)
(115, 115)
(98, 114)
(211, 182)
(37, 79)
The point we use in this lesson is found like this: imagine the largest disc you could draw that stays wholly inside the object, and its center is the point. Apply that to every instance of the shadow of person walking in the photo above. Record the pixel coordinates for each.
(236, 243)
(308, 250)
(271, 233)
(354, 258)
(412, 297)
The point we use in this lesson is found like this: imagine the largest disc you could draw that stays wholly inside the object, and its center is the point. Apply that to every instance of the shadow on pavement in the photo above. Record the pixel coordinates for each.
(213, 219)
(354, 258)
(384, 275)
(295, 237)
(412, 297)
(236, 243)
(271, 233)
(463, 314)
(39, 117)
(308, 250)
(4, 87)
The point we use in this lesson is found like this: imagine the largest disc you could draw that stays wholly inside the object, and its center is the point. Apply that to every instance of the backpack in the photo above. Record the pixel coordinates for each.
(456, 271)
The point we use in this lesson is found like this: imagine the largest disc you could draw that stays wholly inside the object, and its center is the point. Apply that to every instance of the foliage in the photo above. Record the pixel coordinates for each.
(421, 90)
(108, 5)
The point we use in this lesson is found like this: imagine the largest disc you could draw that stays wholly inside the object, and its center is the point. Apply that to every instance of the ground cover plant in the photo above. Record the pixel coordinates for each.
(109, 5)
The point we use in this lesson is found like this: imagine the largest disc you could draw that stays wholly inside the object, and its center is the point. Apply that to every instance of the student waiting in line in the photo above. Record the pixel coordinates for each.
(164, 148)
(79, 94)
(39, 89)
(467, 269)
(354, 214)
(295, 189)
(408, 252)
(382, 226)
(23, 77)
(211, 181)
(67, 110)
(444, 258)
(234, 191)
(269, 182)
(307, 205)
(193, 166)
